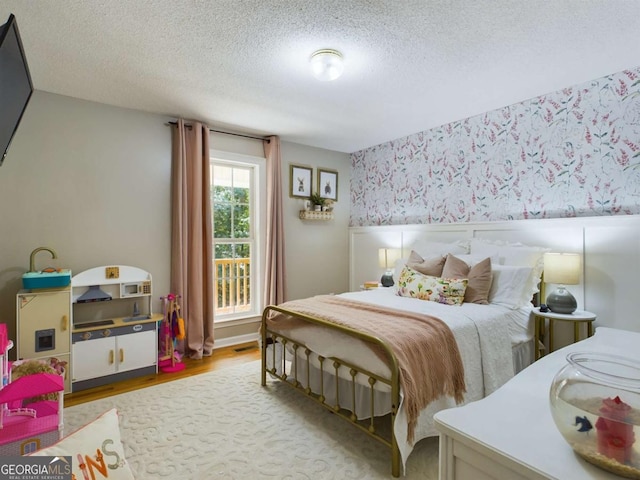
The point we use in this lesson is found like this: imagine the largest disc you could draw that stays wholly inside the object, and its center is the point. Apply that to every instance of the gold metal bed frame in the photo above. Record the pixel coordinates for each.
(272, 337)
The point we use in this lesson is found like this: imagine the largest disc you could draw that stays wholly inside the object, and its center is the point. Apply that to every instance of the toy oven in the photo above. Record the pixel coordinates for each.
(45, 340)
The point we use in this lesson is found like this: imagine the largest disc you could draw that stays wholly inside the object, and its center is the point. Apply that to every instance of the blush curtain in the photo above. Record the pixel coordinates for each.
(274, 285)
(191, 239)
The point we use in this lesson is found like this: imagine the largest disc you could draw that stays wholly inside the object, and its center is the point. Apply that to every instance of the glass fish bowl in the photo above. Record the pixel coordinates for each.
(595, 403)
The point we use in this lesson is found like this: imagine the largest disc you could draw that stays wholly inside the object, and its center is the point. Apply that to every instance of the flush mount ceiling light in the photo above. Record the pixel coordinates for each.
(326, 64)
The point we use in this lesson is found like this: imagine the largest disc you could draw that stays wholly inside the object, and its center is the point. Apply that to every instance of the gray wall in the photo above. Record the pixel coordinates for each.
(92, 182)
(317, 251)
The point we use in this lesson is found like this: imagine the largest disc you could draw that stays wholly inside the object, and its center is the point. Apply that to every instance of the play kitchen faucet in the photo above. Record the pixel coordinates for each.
(33, 255)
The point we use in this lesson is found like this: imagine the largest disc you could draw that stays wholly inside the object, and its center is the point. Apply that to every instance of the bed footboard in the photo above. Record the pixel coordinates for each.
(291, 361)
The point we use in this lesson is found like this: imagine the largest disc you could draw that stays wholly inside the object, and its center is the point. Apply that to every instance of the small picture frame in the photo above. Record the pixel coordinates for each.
(300, 178)
(328, 184)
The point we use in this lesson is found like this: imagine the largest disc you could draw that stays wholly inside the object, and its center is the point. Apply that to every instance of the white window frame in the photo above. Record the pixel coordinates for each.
(258, 221)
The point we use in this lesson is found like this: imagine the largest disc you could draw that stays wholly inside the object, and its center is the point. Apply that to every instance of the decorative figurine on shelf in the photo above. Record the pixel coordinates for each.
(615, 434)
(328, 205)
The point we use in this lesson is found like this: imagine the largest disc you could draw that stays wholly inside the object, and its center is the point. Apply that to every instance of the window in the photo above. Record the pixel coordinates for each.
(236, 229)
(31, 446)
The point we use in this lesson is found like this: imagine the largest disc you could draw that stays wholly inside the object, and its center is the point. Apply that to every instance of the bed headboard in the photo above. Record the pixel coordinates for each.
(610, 249)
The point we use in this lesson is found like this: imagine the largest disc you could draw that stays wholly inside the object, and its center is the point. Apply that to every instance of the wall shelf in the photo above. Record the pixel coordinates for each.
(313, 215)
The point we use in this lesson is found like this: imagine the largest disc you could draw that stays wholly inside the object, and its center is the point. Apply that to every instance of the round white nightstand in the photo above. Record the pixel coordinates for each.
(578, 317)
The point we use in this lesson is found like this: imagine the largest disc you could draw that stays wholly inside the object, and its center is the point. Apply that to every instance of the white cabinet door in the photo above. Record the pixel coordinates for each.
(94, 358)
(136, 350)
(108, 355)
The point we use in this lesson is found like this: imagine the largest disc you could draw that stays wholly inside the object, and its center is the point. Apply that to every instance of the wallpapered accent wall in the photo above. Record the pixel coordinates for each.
(574, 152)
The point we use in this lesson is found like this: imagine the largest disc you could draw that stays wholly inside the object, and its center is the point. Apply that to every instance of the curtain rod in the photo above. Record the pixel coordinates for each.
(225, 133)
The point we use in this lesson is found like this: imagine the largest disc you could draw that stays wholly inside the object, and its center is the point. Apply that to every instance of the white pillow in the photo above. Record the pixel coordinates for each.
(508, 253)
(473, 260)
(518, 254)
(509, 286)
(426, 248)
(103, 435)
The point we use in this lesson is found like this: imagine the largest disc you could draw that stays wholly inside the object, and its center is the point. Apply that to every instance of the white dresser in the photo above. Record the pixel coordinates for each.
(511, 435)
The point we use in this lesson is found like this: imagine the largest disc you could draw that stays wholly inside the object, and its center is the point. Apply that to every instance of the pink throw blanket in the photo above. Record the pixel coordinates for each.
(429, 361)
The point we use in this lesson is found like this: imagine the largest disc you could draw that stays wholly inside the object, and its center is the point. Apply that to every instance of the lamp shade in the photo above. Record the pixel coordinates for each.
(387, 257)
(562, 268)
(326, 64)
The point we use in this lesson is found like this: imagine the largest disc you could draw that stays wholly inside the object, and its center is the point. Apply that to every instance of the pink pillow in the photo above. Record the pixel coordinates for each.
(479, 277)
(432, 265)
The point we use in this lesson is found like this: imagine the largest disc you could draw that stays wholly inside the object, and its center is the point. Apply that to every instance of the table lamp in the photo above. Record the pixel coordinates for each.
(387, 259)
(562, 269)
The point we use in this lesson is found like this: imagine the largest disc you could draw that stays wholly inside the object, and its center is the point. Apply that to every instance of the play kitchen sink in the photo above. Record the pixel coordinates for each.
(46, 278)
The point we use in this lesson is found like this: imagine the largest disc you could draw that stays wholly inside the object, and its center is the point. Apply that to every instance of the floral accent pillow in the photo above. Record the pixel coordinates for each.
(449, 291)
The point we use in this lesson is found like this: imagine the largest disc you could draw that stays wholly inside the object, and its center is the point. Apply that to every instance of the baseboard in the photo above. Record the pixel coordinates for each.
(237, 340)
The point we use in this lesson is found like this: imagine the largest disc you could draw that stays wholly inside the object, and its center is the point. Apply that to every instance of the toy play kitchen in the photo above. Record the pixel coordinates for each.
(43, 314)
(114, 333)
(99, 321)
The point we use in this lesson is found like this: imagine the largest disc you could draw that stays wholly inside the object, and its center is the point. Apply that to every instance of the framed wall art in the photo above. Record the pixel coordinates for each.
(328, 184)
(300, 178)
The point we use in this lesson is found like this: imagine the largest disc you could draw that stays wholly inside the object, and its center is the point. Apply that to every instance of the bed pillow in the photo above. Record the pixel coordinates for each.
(516, 254)
(508, 253)
(102, 435)
(508, 286)
(426, 248)
(449, 291)
(472, 260)
(431, 265)
(478, 275)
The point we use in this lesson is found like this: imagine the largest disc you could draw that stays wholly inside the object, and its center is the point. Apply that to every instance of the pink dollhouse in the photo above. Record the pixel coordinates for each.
(27, 427)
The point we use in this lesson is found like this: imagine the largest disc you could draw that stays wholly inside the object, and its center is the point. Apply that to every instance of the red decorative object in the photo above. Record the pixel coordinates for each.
(615, 436)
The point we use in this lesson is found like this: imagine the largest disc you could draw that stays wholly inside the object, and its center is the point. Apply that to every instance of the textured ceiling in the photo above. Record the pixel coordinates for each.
(242, 65)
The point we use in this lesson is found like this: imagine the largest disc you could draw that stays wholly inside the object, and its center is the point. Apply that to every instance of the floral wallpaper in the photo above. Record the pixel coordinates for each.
(574, 152)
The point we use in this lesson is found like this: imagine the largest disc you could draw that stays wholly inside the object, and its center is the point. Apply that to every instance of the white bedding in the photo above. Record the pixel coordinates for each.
(517, 320)
(485, 335)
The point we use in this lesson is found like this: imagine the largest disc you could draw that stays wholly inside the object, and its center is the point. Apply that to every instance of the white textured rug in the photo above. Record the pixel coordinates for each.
(225, 425)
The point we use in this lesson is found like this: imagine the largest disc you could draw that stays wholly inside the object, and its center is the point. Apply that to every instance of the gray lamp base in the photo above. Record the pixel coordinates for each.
(561, 301)
(387, 280)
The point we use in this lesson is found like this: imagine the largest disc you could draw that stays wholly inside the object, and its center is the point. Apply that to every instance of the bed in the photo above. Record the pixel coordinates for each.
(324, 347)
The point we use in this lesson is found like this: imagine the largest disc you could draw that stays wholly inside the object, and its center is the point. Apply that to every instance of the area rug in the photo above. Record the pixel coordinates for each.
(225, 425)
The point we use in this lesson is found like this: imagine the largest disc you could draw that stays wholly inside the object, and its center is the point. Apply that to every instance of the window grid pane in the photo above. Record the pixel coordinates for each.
(231, 202)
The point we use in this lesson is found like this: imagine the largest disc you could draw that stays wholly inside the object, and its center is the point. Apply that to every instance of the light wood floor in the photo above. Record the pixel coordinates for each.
(221, 358)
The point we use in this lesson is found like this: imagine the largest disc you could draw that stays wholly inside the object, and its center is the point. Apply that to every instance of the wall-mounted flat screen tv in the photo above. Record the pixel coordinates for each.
(15, 83)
